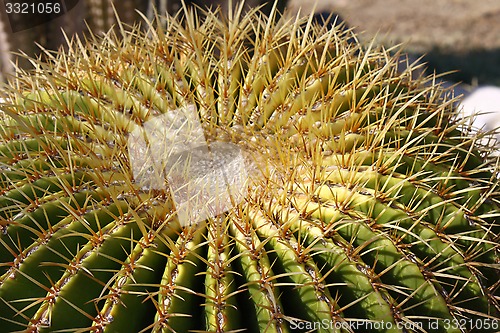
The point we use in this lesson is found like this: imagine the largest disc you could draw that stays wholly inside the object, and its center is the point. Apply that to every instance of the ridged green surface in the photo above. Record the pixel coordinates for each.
(367, 210)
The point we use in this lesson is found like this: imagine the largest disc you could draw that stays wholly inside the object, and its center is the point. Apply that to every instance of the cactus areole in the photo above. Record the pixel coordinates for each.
(244, 173)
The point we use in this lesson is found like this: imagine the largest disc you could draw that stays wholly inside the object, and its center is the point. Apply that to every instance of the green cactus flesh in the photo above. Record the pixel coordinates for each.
(370, 206)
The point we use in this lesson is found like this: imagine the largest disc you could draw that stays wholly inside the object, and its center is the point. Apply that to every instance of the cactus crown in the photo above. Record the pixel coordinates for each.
(369, 206)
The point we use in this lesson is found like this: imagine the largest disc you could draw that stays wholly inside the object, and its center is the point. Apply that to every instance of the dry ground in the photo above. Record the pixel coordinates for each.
(454, 34)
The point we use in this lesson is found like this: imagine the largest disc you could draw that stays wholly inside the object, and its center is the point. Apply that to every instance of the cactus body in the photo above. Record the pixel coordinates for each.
(368, 208)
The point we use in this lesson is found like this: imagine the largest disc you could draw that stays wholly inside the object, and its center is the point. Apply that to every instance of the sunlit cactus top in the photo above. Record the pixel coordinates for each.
(338, 193)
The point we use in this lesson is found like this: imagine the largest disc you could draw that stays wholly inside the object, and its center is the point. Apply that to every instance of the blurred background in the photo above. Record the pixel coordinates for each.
(459, 35)
(462, 36)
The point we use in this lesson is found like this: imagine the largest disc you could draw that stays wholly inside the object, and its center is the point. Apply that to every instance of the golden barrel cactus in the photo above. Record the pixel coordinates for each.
(366, 204)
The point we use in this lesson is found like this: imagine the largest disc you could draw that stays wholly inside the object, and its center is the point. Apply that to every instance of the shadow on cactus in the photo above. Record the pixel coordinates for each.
(369, 207)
